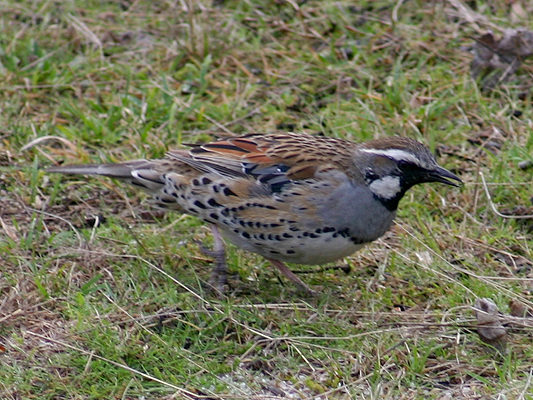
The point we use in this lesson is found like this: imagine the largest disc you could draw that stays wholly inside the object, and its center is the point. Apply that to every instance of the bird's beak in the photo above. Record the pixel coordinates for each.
(443, 176)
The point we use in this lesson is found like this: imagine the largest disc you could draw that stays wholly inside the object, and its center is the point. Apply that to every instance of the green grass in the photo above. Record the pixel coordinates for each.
(121, 311)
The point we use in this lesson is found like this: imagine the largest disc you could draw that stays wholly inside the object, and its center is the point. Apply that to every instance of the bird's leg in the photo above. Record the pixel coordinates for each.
(293, 278)
(219, 276)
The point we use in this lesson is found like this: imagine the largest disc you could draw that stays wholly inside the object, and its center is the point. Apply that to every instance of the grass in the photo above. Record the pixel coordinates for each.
(118, 309)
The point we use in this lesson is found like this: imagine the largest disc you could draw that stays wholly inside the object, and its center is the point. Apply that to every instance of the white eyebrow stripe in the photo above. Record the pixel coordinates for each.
(395, 154)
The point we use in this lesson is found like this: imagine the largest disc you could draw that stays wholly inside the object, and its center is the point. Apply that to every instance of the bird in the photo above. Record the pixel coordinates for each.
(289, 197)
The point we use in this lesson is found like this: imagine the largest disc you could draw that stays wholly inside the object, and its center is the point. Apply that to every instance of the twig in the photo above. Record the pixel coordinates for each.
(41, 139)
(526, 387)
(494, 209)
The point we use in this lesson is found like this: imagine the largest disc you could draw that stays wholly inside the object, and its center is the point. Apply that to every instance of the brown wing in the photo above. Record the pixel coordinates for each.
(265, 157)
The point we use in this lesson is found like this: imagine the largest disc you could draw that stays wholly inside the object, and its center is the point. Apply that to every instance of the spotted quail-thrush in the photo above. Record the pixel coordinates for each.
(288, 197)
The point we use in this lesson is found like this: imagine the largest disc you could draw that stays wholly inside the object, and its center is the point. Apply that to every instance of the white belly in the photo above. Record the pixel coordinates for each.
(311, 251)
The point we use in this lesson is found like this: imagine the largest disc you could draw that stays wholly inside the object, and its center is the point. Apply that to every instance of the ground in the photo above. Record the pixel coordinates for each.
(104, 297)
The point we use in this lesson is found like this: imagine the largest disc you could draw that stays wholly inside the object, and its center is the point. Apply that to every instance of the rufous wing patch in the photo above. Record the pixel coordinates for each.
(302, 171)
(259, 158)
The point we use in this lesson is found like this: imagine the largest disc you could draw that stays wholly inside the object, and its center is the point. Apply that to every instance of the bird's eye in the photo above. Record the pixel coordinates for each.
(404, 164)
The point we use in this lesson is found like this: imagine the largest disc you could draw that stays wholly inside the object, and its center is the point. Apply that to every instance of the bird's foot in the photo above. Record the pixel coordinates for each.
(292, 277)
(219, 277)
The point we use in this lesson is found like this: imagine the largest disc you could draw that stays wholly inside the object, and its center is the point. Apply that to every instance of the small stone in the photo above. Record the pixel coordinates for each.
(526, 164)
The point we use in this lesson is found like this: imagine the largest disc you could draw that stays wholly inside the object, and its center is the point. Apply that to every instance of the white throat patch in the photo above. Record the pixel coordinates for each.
(395, 154)
(386, 188)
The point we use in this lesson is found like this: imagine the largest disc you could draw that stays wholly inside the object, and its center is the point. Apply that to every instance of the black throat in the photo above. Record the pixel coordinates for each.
(392, 203)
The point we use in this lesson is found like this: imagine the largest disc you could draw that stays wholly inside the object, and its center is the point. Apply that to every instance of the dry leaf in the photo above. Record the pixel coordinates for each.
(495, 61)
(9, 230)
(519, 309)
(518, 14)
(489, 327)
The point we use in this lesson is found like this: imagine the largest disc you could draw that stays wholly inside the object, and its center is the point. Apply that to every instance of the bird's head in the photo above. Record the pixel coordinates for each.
(391, 166)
